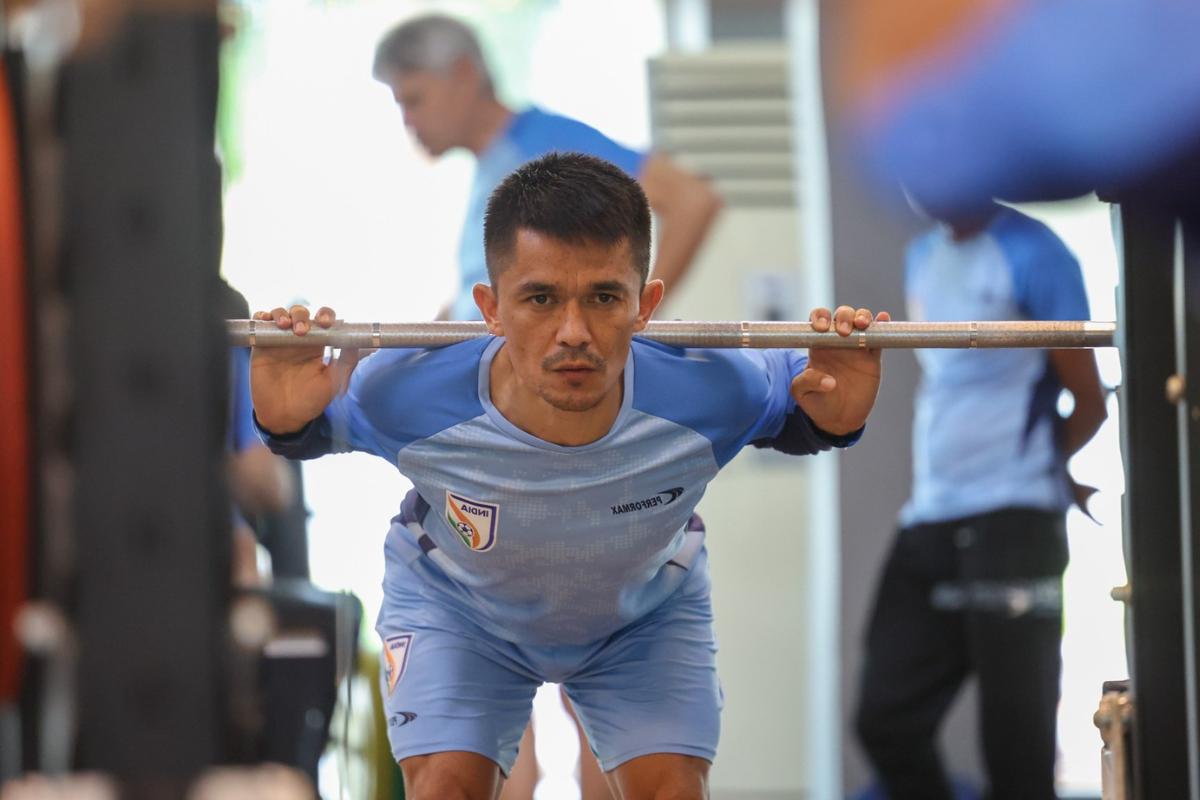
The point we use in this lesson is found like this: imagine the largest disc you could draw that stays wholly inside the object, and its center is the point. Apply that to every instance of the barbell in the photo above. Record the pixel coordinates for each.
(990, 334)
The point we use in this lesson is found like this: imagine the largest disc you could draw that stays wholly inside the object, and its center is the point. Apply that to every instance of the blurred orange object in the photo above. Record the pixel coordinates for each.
(16, 486)
(878, 40)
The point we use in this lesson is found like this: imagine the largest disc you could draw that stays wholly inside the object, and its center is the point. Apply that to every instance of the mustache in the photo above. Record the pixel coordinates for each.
(562, 356)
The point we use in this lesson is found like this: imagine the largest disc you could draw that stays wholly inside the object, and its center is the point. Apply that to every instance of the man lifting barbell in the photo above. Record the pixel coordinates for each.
(575, 455)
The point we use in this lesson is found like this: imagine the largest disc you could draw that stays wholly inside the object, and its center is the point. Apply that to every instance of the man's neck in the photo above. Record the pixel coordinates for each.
(965, 233)
(532, 414)
(970, 226)
(488, 122)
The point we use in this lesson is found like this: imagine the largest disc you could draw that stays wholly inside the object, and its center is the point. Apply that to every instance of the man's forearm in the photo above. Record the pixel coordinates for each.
(800, 437)
(1078, 373)
(681, 232)
(276, 424)
(1079, 428)
(685, 207)
(261, 481)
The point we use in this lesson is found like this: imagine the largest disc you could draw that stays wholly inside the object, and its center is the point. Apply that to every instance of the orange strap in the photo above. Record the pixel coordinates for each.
(15, 420)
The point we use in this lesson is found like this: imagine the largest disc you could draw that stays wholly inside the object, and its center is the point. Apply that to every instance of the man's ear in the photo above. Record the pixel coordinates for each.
(652, 295)
(485, 299)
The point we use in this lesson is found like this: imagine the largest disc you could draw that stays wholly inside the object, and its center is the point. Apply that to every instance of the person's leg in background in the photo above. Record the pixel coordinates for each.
(1015, 650)
(914, 664)
(525, 773)
(593, 785)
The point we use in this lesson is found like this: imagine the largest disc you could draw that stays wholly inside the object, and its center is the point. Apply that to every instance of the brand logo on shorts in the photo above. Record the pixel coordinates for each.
(473, 521)
(395, 654)
(401, 719)
(663, 498)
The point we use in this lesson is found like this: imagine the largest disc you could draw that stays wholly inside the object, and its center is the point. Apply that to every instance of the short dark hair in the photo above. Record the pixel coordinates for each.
(571, 197)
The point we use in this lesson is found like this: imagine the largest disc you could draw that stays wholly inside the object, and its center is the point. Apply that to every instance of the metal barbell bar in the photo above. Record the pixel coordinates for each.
(1002, 334)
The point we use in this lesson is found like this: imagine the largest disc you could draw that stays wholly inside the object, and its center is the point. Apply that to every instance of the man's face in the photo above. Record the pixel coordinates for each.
(436, 106)
(568, 313)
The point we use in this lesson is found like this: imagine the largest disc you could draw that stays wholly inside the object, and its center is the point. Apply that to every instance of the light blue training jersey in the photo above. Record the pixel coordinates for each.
(984, 434)
(542, 544)
(529, 135)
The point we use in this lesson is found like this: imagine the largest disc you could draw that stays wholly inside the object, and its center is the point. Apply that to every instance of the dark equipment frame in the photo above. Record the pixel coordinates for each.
(144, 433)
(1159, 250)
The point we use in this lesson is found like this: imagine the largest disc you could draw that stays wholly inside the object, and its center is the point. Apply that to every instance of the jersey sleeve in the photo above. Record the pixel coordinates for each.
(395, 398)
(1047, 280)
(800, 436)
(779, 367)
(345, 425)
(782, 424)
(551, 132)
(795, 433)
(628, 159)
(731, 397)
(312, 441)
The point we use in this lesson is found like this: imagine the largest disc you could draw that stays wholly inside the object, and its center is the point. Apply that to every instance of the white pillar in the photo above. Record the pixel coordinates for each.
(812, 192)
(689, 25)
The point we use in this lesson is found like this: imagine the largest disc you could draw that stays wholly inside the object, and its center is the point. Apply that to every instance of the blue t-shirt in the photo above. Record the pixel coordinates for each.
(539, 543)
(985, 430)
(241, 435)
(529, 135)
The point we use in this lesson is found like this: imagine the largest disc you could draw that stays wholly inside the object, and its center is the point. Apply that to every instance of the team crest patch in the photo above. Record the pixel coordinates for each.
(474, 522)
(395, 653)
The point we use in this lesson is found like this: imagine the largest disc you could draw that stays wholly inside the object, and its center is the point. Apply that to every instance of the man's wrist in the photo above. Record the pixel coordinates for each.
(835, 437)
(282, 431)
(833, 431)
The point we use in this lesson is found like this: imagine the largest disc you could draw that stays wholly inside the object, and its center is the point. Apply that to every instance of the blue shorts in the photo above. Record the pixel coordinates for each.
(450, 685)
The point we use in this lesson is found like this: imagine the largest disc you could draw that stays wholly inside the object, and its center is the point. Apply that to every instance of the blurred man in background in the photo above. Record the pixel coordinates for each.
(436, 71)
(435, 68)
(973, 585)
